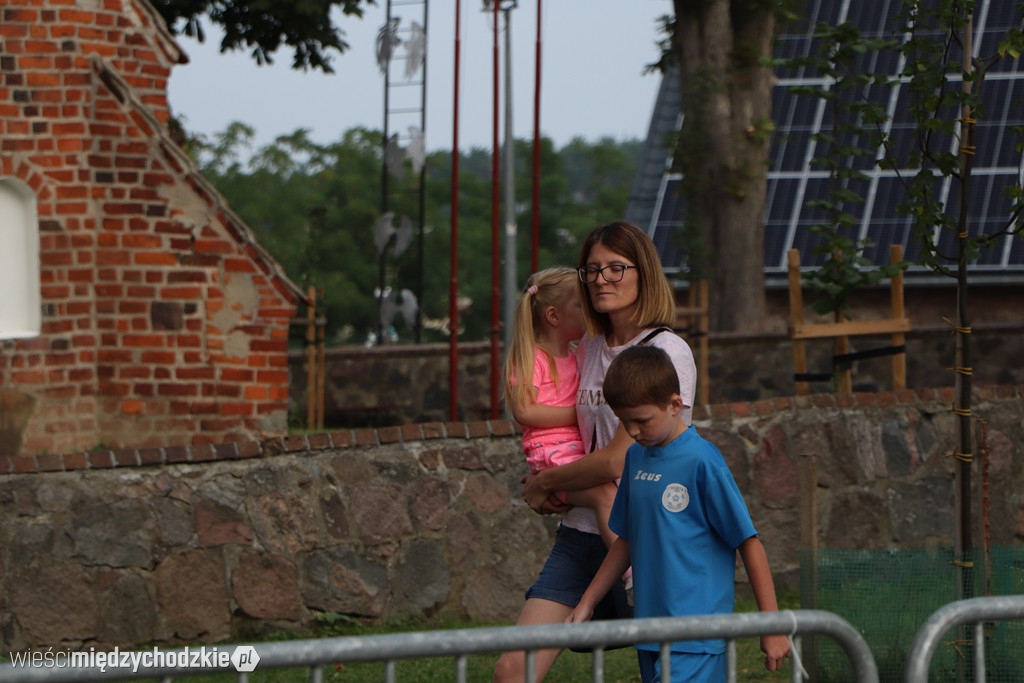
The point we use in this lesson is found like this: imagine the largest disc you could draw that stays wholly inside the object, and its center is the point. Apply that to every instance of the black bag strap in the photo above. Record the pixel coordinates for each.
(651, 335)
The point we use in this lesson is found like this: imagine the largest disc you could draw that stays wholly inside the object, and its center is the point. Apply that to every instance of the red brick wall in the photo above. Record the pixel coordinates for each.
(164, 322)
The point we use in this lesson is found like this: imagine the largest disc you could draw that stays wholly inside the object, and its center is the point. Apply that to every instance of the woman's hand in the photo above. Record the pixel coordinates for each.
(539, 499)
(591, 470)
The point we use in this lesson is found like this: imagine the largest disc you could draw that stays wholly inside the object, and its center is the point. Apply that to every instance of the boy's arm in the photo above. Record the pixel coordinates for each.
(589, 471)
(755, 561)
(614, 566)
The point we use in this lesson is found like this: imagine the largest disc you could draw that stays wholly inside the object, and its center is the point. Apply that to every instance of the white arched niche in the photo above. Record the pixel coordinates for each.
(20, 303)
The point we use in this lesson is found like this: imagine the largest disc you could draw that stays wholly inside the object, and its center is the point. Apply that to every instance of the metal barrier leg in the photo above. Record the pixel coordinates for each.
(979, 652)
(598, 666)
(531, 666)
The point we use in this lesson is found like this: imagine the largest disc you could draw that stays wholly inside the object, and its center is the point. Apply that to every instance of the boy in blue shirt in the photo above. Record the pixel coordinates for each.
(680, 518)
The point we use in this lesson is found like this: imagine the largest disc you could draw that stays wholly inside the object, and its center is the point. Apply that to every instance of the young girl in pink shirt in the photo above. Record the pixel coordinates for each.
(542, 379)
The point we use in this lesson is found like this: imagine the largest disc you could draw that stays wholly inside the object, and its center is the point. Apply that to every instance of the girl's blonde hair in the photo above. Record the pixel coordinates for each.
(656, 305)
(550, 287)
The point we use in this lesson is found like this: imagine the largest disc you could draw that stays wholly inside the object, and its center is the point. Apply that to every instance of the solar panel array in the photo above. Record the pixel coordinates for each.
(793, 181)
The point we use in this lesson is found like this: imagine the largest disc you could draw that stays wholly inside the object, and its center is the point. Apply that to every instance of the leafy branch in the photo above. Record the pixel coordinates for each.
(844, 149)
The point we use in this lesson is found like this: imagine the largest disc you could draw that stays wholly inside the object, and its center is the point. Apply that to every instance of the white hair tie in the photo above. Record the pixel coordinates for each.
(798, 665)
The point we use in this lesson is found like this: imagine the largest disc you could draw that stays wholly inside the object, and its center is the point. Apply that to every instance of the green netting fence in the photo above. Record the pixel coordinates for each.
(888, 595)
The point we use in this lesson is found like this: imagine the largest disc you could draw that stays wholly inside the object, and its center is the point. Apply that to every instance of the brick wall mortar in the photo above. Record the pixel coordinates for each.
(265, 448)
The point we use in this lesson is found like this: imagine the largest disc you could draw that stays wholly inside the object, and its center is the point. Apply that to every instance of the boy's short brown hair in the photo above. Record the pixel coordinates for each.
(640, 376)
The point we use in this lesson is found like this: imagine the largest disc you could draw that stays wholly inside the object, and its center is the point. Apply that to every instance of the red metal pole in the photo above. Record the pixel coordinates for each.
(495, 230)
(453, 286)
(535, 209)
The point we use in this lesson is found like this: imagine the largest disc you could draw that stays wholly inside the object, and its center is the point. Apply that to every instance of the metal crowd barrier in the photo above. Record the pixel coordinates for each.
(460, 643)
(974, 611)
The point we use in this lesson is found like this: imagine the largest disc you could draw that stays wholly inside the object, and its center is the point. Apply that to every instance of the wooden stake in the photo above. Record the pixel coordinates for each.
(796, 314)
(694, 319)
(321, 369)
(311, 374)
(899, 360)
(809, 542)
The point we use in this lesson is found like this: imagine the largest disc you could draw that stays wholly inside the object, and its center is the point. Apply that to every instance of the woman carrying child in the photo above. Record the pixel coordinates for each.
(627, 301)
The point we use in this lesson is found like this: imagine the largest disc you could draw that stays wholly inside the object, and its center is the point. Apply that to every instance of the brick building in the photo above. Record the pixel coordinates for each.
(144, 312)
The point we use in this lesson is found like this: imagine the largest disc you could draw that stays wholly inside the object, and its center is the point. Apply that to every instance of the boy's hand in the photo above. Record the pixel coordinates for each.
(776, 650)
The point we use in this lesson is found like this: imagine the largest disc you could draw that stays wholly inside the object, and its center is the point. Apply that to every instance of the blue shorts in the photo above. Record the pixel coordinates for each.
(686, 667)
(571, 567)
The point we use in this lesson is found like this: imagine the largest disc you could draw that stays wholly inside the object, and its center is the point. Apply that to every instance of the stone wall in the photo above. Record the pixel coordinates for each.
(209, 543)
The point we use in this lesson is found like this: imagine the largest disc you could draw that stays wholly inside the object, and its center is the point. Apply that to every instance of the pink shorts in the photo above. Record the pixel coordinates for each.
(544, 456)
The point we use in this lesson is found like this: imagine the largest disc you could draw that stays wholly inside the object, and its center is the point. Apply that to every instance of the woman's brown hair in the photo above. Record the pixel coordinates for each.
(656, 305)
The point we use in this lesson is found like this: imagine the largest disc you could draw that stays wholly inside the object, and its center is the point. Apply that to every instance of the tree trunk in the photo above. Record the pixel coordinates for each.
(723, 148)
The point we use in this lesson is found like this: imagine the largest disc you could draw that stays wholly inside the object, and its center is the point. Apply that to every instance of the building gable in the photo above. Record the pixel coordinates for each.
(163, 320)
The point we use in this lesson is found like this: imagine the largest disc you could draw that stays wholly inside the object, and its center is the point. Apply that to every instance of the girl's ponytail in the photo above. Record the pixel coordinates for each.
(544, 288)
(522, 346)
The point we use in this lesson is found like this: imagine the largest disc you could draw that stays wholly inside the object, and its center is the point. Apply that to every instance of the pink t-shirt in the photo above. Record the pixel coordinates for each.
(596, 420)
(539, 443)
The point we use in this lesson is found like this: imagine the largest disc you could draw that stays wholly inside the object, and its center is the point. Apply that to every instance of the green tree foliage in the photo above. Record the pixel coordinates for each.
(265, 25)
(315, 208)
(946, 101)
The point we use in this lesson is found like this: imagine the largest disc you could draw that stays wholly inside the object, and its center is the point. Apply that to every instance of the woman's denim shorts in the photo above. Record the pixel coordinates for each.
(571, 567)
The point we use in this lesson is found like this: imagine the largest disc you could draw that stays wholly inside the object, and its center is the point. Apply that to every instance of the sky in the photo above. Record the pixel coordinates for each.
(593, 54)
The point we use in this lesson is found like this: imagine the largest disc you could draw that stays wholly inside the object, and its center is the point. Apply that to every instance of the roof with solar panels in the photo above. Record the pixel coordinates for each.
(792, 181)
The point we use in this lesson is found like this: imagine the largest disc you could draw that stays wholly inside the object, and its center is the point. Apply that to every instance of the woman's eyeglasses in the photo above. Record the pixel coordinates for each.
(613, 273)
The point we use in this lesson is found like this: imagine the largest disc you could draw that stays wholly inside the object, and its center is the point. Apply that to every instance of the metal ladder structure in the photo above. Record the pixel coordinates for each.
(402, 59)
